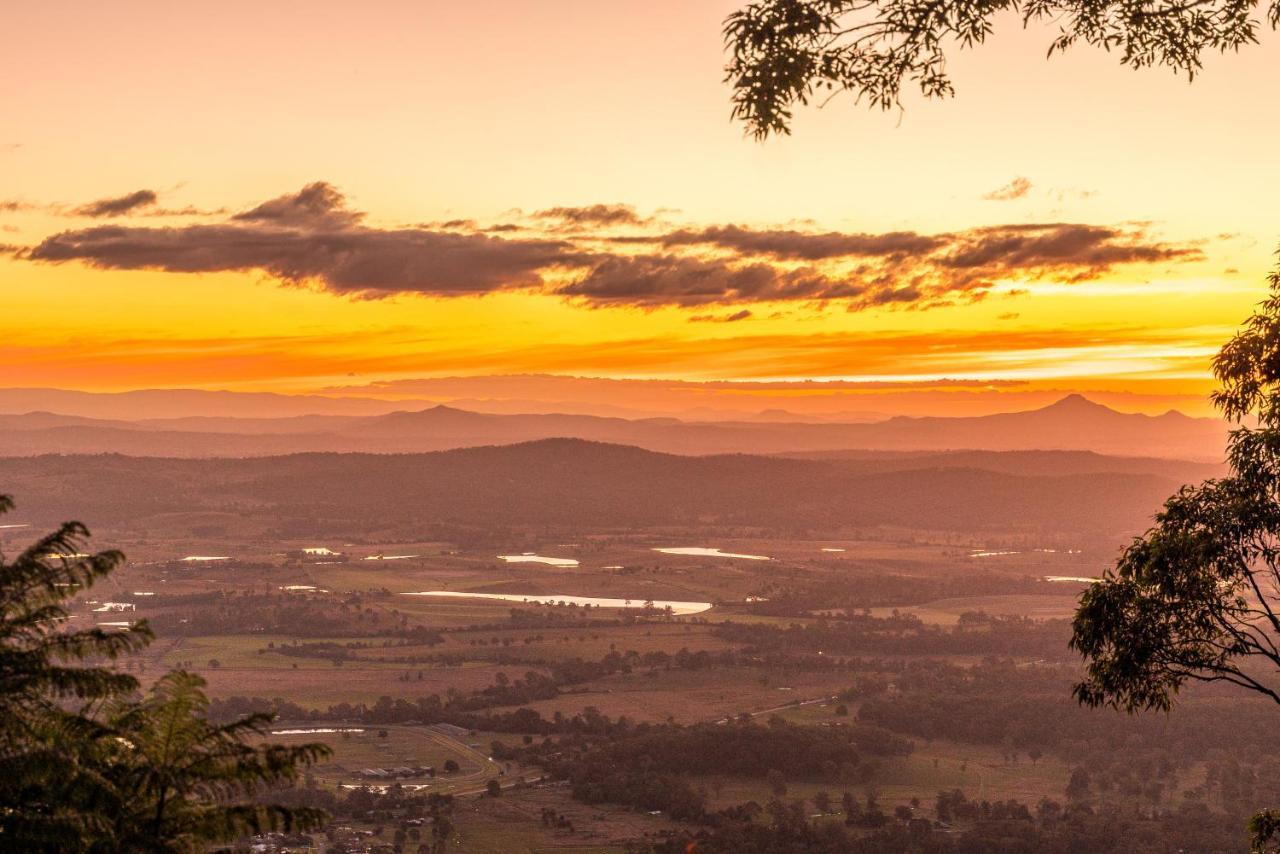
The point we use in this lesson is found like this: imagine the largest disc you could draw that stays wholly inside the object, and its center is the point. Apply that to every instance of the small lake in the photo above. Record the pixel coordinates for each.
(319, 730)
(992, 553)
(530, 557)
(389, 557)
(1080, 578)
(203, 558)
(661, 604)
(698, 551)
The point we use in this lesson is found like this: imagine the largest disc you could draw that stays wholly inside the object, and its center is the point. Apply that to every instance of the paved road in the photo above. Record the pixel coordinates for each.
(475, 782)
(783, 708)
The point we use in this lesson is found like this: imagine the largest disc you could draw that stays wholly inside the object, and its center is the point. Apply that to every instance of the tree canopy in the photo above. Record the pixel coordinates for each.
(1197, 597)
(788, 52)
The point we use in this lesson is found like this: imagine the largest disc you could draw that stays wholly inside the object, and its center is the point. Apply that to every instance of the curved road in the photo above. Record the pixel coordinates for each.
(461, 783)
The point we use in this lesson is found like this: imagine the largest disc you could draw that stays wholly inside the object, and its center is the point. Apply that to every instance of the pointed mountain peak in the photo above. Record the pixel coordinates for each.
(1078, 403)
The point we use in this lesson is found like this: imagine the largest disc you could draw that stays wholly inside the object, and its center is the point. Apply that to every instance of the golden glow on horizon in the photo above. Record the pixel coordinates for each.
(374, 104)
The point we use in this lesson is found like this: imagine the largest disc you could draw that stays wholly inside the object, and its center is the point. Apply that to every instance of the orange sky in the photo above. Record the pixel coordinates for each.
(419, 113)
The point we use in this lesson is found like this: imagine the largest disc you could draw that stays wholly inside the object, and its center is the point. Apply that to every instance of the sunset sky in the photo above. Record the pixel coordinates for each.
(317, 197)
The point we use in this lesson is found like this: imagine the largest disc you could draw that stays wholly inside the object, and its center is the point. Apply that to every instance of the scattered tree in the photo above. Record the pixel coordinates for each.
(777, 783)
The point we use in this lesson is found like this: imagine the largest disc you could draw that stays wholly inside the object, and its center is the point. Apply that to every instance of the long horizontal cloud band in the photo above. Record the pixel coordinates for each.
(348, 260)
(312, 236)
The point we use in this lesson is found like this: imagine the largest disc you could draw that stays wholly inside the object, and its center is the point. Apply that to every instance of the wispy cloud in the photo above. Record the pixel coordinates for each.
(805, 246)
(742, 314)
(118, 205)
(1015, 189)
(593, 215)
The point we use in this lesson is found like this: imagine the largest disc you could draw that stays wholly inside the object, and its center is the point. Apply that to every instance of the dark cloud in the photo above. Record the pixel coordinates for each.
(651, 281)
(119, 205)
(360, 260)
(594, 215)
(1078, 251)
(317, 205)
(13, 206)
(805, 246)
(314, 236)
(901, 268)
(1015, 189)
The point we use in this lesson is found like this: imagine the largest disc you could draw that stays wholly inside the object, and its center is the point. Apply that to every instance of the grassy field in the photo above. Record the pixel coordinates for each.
(411, 747)
(316, 683)
(511, 824)
(482, 636)
(980, 772)
(690, 696)
(946, 612)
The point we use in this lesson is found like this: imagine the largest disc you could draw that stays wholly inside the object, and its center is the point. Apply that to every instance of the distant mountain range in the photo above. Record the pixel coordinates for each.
(578, 485)
(1073, 423)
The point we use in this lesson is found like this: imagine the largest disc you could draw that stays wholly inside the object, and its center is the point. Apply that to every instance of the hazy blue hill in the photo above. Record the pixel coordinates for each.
(1053, 463)
(1073, 423)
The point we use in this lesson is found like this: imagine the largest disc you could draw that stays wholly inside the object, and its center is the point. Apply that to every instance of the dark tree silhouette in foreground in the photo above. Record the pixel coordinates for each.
(1197, 598)
(85, 765)
(788, 52)
(183, 781)
(48, 696)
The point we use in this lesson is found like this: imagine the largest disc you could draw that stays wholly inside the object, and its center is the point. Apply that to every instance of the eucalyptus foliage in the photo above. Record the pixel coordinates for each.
(1197, 597)
(788, 52)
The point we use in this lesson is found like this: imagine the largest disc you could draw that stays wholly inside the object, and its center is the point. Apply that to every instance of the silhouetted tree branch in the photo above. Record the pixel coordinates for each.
(788, 52)
(1198, 596)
